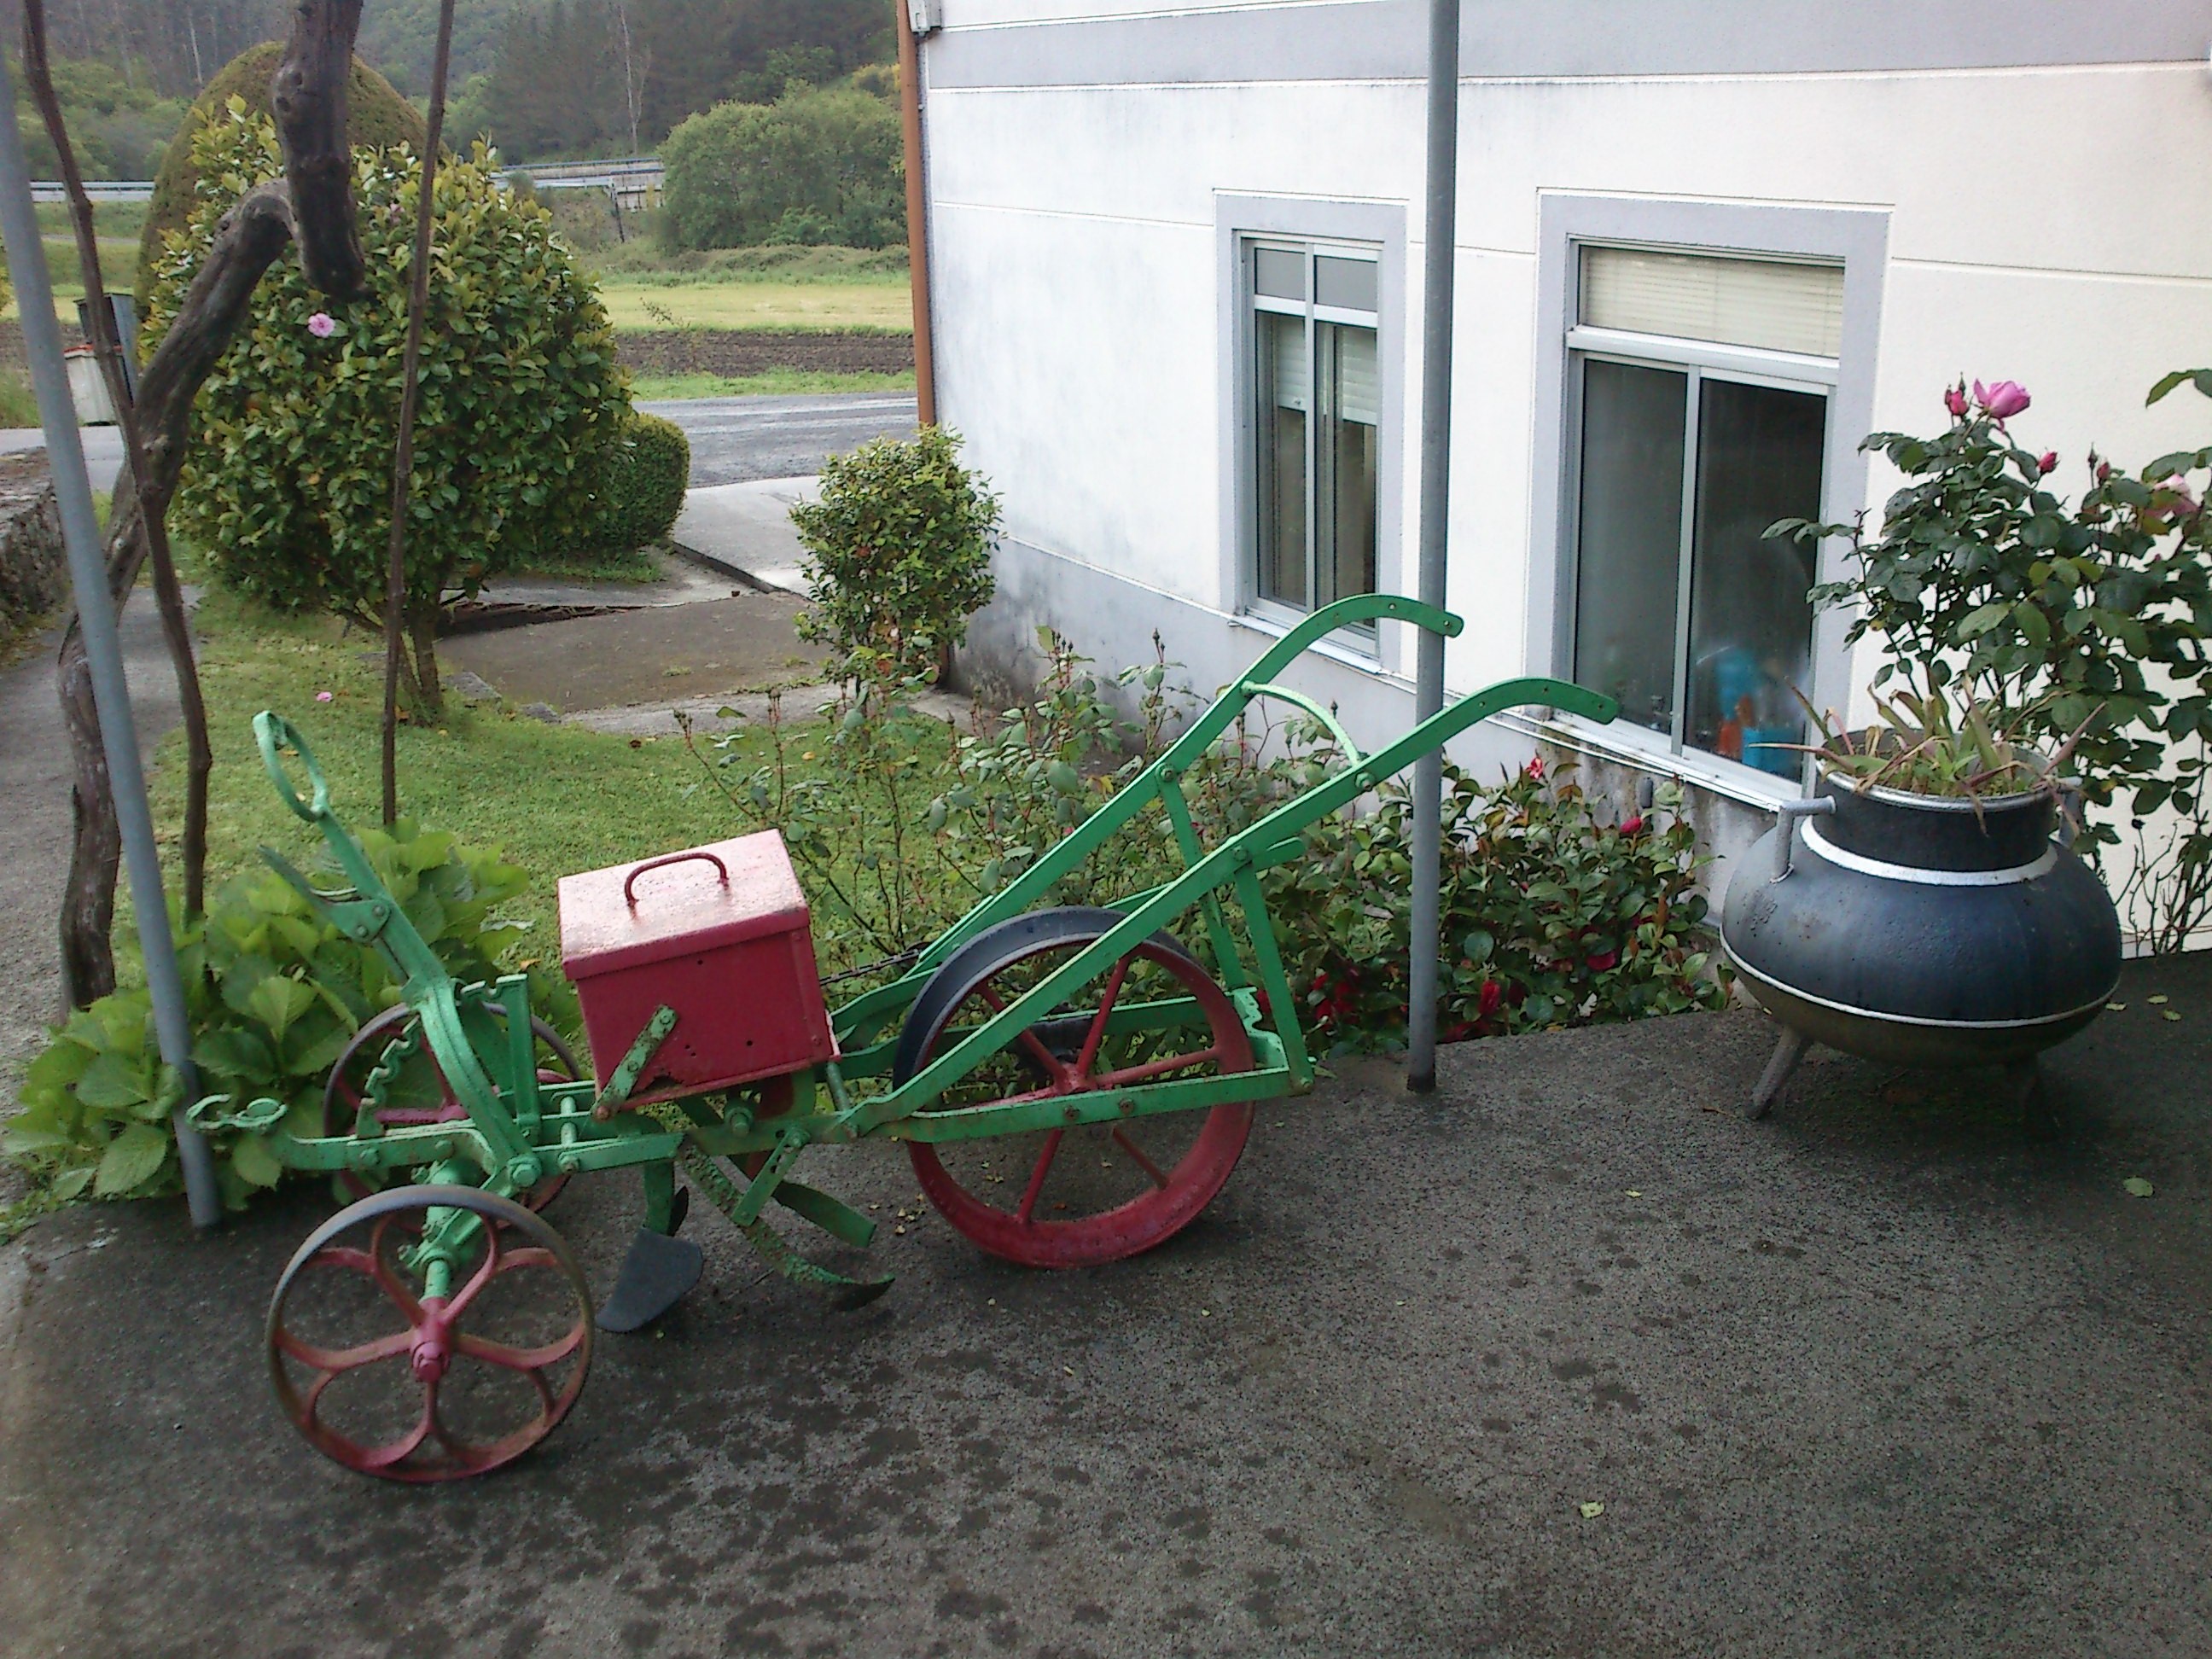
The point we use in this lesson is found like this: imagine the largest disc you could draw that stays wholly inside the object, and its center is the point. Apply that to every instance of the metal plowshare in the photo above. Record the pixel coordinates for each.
(1072, 1085)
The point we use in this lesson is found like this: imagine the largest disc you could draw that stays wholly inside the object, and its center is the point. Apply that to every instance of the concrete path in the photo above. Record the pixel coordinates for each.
(746, 530)
(1879, 1376)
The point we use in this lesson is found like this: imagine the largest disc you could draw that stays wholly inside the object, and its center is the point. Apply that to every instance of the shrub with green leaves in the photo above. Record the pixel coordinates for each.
(288, 484)
(1551, 916)
(818, 165)
(898, 553)
(274, 995)
(648, 468)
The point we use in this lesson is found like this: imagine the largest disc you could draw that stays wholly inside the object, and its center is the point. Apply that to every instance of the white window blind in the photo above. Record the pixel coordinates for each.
(1745, 302)
(1359, 387)
(1286, 356)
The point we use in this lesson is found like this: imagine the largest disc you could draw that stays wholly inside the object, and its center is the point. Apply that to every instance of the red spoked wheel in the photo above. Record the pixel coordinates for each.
(1075, 1197)
(387, 1379)
(416, 1090)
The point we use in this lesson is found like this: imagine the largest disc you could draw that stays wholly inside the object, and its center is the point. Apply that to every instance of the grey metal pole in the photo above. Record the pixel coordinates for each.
(1441, 232)
(119, 734)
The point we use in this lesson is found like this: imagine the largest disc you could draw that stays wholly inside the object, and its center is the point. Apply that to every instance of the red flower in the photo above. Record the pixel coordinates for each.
(2047, 462)
(1633, 826)
(1604, 962)
(1954, 400)
(1492, 994)
(1535, 766)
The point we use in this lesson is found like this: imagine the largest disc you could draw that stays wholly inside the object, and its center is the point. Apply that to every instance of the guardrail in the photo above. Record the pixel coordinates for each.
(635, 181)
(99, 189)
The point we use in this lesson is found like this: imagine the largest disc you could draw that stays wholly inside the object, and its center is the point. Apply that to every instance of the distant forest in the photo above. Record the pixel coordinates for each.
(541, 78)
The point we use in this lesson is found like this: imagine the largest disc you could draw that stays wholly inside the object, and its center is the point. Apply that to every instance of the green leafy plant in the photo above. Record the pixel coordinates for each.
(648, 468)
(2089, 620)
(898, 553)
(1550, 915)
(817, 164)
(288, 487)
(1922, 747)
(900, 824)
(274, 994)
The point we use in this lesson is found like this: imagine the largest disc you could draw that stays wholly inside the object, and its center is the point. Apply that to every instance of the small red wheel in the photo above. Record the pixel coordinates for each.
(418, 1092)
(389, 1380)
(1076, 1197)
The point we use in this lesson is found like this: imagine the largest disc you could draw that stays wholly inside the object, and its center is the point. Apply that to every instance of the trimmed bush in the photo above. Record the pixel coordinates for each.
(898, 553)
(289, 486)
(648, 470)
(816, 165)
(377, 118)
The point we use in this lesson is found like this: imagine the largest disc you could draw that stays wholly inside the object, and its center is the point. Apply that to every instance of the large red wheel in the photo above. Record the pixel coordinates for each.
(1078, 1196)
(416, 1092)
(387, 1380)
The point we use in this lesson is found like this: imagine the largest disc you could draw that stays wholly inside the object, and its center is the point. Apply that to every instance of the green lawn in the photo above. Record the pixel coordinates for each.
(775, 382)
(879, 306)
(556, 798)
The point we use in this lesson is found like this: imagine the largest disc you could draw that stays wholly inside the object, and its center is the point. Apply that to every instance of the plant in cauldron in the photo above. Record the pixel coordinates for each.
(1917, 908)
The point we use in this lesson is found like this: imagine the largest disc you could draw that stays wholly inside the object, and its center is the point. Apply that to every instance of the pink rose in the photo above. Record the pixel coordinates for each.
(1633, 826)
(2002, 401)
(1535, 766)
(1954, 400)
(2184, 502)
(322, 696)
(322, 325)
(2047, 463)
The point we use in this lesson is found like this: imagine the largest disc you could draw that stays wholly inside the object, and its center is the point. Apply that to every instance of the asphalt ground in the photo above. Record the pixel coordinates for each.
(1885, 1374)
(733, 439)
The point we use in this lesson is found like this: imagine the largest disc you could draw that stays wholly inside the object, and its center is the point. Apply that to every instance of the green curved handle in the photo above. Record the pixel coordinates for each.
(275, 734)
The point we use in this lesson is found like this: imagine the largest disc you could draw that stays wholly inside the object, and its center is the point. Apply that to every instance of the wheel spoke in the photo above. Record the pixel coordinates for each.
(1037, 1175)
(387, 1282)
(1137, 1157)
(513, 1358)
(1097, 1032)
(1152, 1068)
(1054, 1068)
(332, 1361)
(490, 1267)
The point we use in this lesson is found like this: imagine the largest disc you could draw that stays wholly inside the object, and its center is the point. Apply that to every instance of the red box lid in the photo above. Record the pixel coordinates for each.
(678, 904)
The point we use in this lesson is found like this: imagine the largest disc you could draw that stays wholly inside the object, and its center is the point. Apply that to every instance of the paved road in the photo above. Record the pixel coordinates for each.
(736, 440)
(733, 439)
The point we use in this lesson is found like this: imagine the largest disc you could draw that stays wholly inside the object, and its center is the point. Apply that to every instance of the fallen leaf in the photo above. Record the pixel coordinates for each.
(1591, 1511)
(1632, 1192)
(2116, 1007)
(2138, 1186)
(2167, 1013)
(2158, 1000)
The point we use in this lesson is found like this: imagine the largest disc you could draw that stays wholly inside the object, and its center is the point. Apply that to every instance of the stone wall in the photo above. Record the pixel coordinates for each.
(33, 574)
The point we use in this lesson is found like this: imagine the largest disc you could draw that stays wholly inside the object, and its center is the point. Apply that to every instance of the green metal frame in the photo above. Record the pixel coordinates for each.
(519, 1131)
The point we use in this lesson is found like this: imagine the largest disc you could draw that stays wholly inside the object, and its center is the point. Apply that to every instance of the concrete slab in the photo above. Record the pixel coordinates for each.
(745, 529)
(682, 581)
(1880, 1377)
(652, 655)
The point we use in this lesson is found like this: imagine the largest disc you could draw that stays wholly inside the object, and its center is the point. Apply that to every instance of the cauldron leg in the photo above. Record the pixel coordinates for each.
(1786, 1053)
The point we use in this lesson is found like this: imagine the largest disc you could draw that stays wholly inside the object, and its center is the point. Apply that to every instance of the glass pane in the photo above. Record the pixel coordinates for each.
(1279, 451)
(1751, 626)
(1278, 272)
(1344, 504)
(1695, 296)
(1630, 537)
(1350, 284)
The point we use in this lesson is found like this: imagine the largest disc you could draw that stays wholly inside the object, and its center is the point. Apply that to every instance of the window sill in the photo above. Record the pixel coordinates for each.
(1354, 650)
(1725, 778)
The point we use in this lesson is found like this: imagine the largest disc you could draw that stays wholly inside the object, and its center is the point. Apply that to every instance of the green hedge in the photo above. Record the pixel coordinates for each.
(648, 470)
(377, 118)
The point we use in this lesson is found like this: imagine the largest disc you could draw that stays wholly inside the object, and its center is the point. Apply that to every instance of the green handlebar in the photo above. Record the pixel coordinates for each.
(275, 734)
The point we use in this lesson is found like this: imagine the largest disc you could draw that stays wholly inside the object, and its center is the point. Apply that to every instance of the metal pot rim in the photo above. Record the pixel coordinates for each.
(2047, 790)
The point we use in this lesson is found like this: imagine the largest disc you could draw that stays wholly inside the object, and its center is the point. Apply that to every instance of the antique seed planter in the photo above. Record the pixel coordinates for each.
(1919, 930)
(1072, 1086)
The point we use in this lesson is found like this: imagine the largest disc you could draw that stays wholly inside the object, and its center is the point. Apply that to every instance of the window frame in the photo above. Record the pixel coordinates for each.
(1856, 239)
(1360, 229)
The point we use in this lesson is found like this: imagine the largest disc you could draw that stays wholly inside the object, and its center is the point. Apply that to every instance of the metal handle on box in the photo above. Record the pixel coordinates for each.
(629, 886)
(1788, 814)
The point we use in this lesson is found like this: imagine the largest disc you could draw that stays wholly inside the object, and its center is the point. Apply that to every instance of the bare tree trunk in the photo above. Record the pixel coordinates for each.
(428, 694)
(251, 236)
(154, 506)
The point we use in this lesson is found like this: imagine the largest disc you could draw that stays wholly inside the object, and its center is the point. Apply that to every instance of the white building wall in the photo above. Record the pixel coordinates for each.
(2048, 224)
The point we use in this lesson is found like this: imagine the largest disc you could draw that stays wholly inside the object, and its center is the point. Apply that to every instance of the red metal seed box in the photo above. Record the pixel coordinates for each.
(718, 933)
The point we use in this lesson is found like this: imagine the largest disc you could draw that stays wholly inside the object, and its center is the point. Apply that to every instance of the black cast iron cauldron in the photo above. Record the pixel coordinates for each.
(1919, 930)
